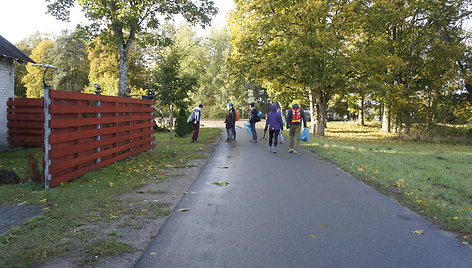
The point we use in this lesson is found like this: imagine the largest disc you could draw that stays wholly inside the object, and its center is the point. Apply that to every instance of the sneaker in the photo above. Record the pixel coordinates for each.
(290, 151)
(274, 150)
(295, 152)
(270, 148)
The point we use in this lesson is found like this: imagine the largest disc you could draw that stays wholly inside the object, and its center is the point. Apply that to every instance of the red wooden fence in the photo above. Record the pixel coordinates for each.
(91, 131)
(25, 122)
(83, 131)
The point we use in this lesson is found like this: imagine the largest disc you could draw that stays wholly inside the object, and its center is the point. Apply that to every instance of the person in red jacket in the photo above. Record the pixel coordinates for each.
(295, 116)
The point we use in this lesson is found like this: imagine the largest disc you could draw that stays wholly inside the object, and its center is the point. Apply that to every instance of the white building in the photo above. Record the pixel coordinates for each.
(8, 54)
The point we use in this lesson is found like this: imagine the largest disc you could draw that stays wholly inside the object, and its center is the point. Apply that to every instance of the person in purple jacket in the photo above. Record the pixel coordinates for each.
(275, 124)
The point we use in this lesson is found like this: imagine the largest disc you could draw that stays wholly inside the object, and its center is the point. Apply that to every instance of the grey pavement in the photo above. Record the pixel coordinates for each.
(286, 210)
(14, 215)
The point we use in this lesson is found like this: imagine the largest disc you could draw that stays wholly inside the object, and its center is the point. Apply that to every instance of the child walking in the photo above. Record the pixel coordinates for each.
(275, 124)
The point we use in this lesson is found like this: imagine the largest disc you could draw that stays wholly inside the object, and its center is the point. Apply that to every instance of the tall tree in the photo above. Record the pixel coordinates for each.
(26, 46)
(34, 79)
(103, 67)
(298, 46)
(70, 55)
(171, 84)
(132, 20)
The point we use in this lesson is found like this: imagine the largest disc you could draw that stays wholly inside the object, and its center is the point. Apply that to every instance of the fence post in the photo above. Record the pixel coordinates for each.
(47, 133)
(99, 137)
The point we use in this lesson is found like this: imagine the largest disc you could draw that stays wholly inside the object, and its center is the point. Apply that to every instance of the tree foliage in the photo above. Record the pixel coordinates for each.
(407, 55)
(128, 21)
(70, 55)
(34, 79)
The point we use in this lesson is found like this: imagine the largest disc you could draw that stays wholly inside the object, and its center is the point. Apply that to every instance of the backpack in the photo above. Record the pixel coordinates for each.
(296, 115)
(237, 115)
(191, 117)
(258, 116)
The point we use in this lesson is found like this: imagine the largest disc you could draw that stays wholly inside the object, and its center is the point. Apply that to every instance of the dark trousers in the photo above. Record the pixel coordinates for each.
(196, 129)
(273, 135)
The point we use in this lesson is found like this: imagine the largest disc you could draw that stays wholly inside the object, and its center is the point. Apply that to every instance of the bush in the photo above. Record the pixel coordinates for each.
(8, 177)
(182, 128)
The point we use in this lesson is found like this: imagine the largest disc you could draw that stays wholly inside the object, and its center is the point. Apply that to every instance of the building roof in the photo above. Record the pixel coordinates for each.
(8, 50)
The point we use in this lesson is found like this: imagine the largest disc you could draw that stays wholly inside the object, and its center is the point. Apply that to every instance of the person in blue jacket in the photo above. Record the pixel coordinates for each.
(275, 125)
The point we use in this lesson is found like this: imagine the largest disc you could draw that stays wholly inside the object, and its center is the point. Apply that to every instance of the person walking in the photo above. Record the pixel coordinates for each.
(197, 113)
(253, 119)
(294, 119)
(274, 124)
(230, 122)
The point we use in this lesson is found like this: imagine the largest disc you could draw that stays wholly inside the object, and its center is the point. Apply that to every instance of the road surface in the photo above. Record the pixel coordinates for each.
(286, 210)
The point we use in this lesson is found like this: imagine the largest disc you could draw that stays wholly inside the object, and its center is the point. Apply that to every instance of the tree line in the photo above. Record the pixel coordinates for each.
(410, 59)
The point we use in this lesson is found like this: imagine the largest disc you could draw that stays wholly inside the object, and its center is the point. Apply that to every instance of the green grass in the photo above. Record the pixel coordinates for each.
(16, 161)
(101, 249)
(434, 179)
(92, 199)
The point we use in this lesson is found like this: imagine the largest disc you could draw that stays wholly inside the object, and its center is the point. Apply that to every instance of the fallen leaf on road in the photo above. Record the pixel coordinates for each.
(184, 209)
(312, 236)
(324, 226)
(418, 232)
(220, 183)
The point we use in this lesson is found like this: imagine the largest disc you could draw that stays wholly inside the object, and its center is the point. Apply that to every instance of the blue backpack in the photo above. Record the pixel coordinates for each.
(305, 136)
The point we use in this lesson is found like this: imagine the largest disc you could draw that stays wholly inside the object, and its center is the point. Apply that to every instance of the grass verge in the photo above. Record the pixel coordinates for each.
(72, 209)
(434, 179)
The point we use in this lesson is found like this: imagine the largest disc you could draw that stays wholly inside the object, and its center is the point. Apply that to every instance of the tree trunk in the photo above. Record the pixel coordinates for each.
(312, 118)
(386, 119)
(321, 117)
(317, 116)
(123, 77)
(171, 120)
(123, 49)
(361, 112)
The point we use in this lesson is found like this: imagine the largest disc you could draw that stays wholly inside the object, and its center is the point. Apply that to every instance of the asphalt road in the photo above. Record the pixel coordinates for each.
(286, 210)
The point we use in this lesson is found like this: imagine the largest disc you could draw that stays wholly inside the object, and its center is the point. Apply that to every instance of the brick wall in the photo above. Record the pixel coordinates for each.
(6, 91)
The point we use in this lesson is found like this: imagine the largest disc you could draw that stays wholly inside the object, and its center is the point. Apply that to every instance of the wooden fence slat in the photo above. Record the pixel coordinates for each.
(25, 110)
(25, 102)
(57, 94)
(72, 175)
(63, 109)
(24, 117)
(63, 137)
(58, 153)
(25, 131)
(79, 160)
(25, 124)
(64, 123)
